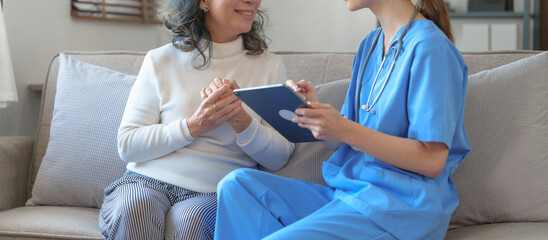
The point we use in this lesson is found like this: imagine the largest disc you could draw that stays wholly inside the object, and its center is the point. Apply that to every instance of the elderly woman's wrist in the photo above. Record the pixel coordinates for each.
(242, 124)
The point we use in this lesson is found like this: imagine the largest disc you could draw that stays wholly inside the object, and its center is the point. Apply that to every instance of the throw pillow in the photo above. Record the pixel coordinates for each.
(504, 177)
(306, 161)
(82, 157)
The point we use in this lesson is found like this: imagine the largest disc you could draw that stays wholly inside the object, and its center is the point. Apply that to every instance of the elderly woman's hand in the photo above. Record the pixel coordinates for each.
(217, 107)
(241, 119)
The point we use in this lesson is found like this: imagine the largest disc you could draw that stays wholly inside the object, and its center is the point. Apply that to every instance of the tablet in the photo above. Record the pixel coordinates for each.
(276, 104)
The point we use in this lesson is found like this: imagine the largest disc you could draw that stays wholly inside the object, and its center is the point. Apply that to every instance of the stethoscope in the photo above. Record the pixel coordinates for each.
(369, 107)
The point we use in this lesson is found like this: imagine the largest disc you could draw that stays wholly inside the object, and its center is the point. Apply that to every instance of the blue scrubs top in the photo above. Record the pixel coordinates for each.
(424, 100)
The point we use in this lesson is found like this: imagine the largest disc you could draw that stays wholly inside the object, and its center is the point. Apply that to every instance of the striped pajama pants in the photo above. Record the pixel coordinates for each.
(138, 207)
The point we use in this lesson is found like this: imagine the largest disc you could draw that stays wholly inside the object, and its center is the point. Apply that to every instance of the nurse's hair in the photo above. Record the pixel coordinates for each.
(186, 21)
(436, 10)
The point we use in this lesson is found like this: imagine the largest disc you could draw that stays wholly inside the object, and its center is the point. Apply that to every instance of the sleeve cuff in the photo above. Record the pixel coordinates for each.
(186, 131)
(246, 135)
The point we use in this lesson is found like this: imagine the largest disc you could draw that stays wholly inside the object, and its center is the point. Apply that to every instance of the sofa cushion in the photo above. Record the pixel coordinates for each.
(504, 177)
(500, 231)
(82, 157)
(306, 161)
(50, 222)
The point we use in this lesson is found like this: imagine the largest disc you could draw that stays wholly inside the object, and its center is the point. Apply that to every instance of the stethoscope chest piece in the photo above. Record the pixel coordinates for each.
(367, 109)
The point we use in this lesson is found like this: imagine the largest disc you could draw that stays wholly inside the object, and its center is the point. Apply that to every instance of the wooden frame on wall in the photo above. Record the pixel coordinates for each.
(543, 35)
(131, 11)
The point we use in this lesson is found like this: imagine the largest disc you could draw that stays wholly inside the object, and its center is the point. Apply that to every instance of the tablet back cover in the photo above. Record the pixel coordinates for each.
(276, 104)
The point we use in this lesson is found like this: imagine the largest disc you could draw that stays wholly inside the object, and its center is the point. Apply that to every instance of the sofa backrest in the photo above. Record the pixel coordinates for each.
(317, 67)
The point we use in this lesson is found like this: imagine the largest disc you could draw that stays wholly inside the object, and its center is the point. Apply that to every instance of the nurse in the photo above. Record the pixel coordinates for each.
(400, 137)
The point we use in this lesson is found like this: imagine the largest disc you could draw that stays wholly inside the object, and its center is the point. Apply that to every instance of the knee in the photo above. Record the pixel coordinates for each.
(194, 220)
(234, 179)
(191, 216)
(133, 202)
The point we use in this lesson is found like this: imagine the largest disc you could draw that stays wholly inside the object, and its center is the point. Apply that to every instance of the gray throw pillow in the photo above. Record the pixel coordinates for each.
(505, 176)
(82, 157)
(306, 161)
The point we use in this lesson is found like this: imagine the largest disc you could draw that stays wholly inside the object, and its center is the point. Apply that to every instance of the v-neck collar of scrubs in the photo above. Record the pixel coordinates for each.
(396, 36)
(380, 43)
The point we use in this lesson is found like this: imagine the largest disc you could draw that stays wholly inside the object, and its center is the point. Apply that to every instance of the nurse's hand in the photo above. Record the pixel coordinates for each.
(324, 121)
(304, 89)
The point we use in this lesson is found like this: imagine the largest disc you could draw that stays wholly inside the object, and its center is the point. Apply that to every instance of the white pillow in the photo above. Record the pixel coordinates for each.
(505, 176)
(82, 157)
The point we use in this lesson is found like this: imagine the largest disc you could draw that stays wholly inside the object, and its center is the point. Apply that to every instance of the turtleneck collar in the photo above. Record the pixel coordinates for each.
(221, 50)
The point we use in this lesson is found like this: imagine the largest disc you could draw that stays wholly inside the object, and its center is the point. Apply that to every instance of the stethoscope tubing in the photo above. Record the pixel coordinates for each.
(399, 40)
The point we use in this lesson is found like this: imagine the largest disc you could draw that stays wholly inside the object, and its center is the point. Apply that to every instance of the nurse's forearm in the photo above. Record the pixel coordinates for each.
(426, 158)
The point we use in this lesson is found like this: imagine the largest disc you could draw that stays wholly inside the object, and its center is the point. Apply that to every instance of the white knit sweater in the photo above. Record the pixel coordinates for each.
(154, 139)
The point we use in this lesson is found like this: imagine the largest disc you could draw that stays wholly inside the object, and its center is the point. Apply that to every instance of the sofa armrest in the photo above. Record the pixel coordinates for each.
(15, 159)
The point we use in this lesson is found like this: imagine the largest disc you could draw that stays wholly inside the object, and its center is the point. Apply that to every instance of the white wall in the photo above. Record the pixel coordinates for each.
(39, 29)
(324, 26)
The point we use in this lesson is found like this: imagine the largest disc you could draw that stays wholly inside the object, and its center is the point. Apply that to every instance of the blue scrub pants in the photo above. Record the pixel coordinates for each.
(257, 205)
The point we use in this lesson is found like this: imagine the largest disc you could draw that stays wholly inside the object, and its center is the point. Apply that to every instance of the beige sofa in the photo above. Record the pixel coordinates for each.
(502, 184)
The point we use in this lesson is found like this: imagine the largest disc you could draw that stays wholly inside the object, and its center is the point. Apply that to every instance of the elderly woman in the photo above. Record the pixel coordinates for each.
(183, 129)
